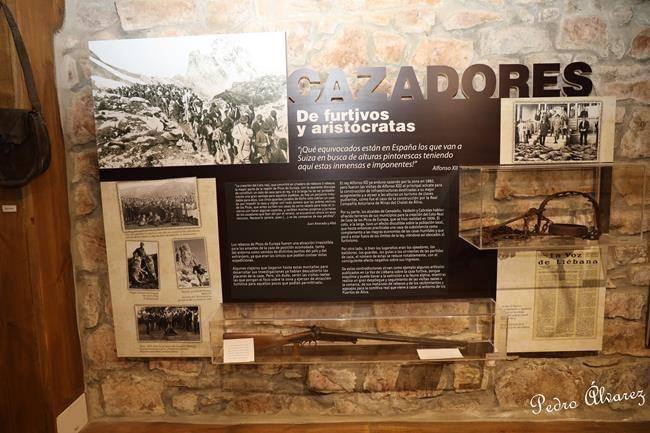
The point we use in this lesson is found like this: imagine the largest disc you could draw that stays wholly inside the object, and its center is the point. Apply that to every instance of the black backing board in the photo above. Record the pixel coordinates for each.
(474, 124)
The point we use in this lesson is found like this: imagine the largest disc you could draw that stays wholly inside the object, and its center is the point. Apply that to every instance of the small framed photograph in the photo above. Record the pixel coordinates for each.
(162, 323)
(557, 130)
(142, 265)
(191, 261)
(159, 204)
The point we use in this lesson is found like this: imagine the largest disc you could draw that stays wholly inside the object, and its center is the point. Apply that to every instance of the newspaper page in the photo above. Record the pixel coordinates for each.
(164, 268)
(554, 300)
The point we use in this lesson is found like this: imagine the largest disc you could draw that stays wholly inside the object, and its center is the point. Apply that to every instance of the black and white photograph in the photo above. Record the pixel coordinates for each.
(157, 204)
(194, 100)
(191, 259)
(557, 131)
(168, 323)
(142, 263)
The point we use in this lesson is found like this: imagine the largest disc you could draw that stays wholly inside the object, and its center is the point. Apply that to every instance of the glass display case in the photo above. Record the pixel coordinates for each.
(536, 207)
(396, 331)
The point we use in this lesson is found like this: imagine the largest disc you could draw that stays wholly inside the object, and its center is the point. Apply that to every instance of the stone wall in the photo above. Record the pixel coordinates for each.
(612, 36)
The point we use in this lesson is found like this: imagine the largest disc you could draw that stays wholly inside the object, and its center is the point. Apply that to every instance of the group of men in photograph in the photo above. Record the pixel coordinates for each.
(553, 123)
(545, 123)
(230, 133)
(156, 211)
(168, 321)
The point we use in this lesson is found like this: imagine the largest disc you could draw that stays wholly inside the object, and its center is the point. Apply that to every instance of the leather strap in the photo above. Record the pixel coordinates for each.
(23, 57)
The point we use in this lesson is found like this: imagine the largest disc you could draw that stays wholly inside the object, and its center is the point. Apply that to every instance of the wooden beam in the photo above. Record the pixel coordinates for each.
(41, 355)
(393, 427)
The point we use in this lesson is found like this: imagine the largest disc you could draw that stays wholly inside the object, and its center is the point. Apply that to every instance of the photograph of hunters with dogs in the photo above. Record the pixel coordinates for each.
(168, 323)
(557, 131)
(195, 100)
(152, 204)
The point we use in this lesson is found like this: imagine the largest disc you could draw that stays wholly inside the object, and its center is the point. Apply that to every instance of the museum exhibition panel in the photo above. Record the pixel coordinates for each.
(350, 212)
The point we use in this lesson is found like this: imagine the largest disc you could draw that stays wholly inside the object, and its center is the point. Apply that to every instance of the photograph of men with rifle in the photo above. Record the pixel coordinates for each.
(142, 258)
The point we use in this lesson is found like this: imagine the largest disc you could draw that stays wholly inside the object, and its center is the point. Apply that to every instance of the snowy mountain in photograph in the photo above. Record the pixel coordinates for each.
(215, 72)
(212, 100)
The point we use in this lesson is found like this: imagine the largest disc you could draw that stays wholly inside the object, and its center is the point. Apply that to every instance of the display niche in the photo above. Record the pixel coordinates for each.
(539, 207)
(357, 332)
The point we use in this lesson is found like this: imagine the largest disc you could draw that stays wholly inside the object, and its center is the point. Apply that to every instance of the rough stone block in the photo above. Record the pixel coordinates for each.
(186, 402)
(348, 50)
(228, 16)
(636, 139)
(584, 33)
(621, 14)
(381, 378)
(468, 376)
(145, 14)
(517, 39)
(623, 80)
(457, 53)
(641, 45)
(630, 255)
(624, 337)
(101, 352)
(69, 76)
(80, 121)
(89, 245)
(389, 47)
(327, 380)
(468, 18)
(94, 401)
(84, 199)
(286, 380)
(518, 381)
(179, 372)
(414, 21)
(626, 304)
(83, 165)
(627, 221)
(94, 15)
(256, 404)
(639, 275)
(628, 182)
(89, 288)
(133, 395)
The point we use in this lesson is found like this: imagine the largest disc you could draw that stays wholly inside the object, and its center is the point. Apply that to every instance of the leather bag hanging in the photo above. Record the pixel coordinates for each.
(24, 141)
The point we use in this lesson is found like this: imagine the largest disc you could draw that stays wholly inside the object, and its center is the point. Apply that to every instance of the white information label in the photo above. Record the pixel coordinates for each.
(439, 353)
(9, 208)
(238, 350)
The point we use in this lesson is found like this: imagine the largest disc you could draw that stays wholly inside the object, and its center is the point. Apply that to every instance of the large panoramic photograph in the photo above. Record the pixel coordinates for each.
(197, 100)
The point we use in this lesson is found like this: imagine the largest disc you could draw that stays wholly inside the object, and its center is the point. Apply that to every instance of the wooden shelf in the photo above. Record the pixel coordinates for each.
(446, 427)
